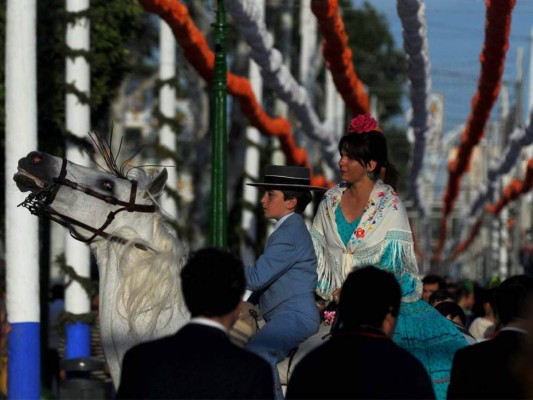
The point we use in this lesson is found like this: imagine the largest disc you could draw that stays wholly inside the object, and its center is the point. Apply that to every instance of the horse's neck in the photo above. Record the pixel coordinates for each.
(151, 276)
(139, 228)
(109, 252)
(141, 284)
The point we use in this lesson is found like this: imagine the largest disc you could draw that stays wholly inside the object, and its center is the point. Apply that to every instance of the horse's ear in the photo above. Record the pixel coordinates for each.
(158, 184)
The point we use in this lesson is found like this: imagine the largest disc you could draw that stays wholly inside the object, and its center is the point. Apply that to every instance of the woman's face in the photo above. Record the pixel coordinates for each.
(351, 170)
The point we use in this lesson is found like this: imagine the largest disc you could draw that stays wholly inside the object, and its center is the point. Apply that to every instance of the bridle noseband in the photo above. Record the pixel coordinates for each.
(40, 204)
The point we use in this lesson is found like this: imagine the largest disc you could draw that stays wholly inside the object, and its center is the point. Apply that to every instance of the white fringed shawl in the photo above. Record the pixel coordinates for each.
(383, 226)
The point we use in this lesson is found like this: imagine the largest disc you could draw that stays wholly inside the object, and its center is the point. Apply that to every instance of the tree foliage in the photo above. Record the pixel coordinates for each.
(377, 60)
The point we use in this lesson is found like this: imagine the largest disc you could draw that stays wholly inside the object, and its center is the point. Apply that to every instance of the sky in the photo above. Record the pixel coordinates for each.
(456, 32)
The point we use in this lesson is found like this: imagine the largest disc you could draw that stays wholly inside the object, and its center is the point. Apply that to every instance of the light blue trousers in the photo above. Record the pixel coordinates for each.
(284, 330)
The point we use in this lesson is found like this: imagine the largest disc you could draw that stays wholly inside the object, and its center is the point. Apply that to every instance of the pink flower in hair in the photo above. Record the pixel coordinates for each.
(363, 123)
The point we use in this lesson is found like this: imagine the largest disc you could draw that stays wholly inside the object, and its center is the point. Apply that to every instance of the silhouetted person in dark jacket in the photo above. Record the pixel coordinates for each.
(200, 361)
(487, 370)
(360, 360)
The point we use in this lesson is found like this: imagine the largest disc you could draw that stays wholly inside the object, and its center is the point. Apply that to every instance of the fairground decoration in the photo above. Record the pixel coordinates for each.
(200, 56)
(497, 29)
(339, 56)
(511, 192)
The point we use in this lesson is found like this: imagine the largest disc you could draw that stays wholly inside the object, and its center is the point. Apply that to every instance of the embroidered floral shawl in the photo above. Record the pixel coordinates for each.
(384, 227)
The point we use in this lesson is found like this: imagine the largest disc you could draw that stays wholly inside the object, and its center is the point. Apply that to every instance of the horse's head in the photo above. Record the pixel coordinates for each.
(90, 203)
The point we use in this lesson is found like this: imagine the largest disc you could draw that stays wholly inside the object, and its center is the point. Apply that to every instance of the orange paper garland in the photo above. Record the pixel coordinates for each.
(202, 58)
(497, 29)
(339, 56)
(511, 192)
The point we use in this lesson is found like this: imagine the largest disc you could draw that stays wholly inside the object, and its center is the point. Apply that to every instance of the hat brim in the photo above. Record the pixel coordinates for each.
(278, 186)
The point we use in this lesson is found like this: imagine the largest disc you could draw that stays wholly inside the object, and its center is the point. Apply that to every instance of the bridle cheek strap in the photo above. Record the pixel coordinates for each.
(40, 205)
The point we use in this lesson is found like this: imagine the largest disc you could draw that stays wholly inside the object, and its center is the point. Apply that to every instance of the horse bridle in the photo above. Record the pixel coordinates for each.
(40, 204)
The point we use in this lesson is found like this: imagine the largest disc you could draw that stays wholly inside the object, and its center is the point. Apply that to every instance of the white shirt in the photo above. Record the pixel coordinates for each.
(208, 322)
(281, 220)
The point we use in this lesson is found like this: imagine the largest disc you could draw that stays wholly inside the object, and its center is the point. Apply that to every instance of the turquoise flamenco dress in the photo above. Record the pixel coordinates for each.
(420, 328)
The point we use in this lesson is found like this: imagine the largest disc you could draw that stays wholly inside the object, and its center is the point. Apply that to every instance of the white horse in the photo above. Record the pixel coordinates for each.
(138, 254)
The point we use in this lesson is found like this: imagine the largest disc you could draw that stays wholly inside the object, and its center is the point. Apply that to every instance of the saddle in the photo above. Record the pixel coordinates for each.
(251, 320)
(247, 325)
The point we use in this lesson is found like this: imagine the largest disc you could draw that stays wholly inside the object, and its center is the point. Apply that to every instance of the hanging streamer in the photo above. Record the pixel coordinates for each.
(497, 29)
(339, 56)
(276, 75)
(468, 241)
(200, 56)
(513, 190)
(413, 17)
(519, 139)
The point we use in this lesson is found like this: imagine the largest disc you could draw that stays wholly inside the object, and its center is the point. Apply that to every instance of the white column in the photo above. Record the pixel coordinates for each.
(528, 197)
(22, 241)
(503, 267)
(307, 55)
(78, 122)
(57, 248)
(307, 46)
(167, 107)
(530, 86)
(251, 164)
(335, 114)
(281, 108)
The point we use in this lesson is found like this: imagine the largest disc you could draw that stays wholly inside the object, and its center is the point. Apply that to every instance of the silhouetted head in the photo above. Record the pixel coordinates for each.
(431, 283)
(452, 311)
(367, 296)
(438, 296)
(511, 297)
(213, 282)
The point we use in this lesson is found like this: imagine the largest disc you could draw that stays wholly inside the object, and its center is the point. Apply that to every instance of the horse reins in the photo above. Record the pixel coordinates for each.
(40, 204)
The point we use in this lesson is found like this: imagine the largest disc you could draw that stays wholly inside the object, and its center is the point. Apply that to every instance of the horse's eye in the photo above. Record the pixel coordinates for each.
(107, 185)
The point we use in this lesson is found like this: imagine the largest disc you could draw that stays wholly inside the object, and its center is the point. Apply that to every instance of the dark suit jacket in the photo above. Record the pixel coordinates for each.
(359, 365)
(198, 362)
(485, 370)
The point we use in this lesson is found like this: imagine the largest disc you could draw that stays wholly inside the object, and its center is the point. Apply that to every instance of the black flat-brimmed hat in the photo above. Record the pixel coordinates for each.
(287, 177)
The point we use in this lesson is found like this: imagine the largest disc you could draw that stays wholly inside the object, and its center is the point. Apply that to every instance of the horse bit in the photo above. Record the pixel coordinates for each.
(40, 204)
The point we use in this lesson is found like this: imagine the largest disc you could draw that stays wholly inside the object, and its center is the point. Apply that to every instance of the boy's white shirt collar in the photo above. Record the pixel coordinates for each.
(281, 220)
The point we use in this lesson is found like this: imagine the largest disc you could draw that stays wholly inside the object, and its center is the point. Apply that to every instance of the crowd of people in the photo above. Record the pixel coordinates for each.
(395, 334)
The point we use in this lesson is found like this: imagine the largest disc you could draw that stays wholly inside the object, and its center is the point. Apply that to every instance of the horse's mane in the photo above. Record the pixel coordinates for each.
(104, 148)
(150, 280)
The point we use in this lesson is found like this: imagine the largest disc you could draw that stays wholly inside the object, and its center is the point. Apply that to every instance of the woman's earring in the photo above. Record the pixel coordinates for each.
(371, 175)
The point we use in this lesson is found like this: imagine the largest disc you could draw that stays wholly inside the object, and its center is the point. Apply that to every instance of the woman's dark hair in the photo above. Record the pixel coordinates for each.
(367, 146)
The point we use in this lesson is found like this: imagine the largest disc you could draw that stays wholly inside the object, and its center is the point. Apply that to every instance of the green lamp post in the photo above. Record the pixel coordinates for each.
(218, 200)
